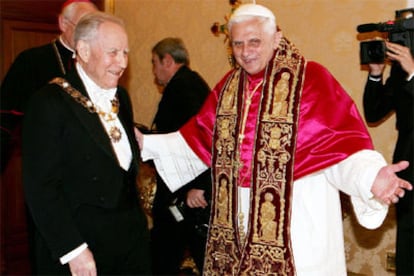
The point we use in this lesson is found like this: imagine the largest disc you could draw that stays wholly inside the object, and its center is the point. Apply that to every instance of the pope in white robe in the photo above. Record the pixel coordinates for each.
(333, 152)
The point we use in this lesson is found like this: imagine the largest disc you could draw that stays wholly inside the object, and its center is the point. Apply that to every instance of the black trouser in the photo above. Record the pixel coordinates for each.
(405, 235)
(170, 239)
(118, 239)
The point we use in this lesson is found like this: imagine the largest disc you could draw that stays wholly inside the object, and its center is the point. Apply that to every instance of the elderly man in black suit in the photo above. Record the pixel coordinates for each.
(80, 162)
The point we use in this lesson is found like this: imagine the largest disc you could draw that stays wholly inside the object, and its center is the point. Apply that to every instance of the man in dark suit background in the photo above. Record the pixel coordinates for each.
(380, 99)
(176, 225)
(80, 162)
(32, 69)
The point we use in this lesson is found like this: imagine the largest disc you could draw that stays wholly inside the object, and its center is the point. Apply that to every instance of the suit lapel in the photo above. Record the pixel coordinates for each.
(90, 121)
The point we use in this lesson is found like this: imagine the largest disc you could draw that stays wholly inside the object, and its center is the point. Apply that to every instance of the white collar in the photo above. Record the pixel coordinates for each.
(67, 47)
(97, 94)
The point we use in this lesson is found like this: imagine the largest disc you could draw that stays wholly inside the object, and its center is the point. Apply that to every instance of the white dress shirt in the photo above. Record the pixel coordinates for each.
(102, 98)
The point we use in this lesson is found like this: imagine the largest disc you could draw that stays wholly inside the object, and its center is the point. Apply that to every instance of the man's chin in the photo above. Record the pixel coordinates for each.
(252, 71)
(251, 68)
(158, 82)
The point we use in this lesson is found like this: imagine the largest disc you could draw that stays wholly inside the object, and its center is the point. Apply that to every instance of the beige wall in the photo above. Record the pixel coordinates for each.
(149, 21)
(325, 31)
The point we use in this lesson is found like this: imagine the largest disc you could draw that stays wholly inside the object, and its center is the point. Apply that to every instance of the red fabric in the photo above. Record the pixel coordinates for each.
(198, 131)
(246, 152)
(330, 126)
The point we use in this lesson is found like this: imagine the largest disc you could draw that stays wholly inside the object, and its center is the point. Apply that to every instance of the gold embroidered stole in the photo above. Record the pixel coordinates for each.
(266, 248)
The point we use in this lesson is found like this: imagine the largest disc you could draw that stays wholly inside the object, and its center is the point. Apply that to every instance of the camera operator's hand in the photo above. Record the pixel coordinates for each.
(401, 54)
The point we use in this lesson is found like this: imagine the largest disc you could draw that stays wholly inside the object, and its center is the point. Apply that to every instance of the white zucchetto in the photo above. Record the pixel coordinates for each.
(253, 10)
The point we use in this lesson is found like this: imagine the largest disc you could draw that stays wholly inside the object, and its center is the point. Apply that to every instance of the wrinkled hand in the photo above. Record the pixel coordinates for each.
(139, 137)
(401, 54)
(388, 187)
(83, 265)
(196, 199)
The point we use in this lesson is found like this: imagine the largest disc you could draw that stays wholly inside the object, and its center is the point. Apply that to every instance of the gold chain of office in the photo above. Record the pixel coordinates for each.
(114, 132)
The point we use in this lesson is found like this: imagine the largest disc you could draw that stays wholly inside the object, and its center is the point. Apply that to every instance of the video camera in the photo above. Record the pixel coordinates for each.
(399, 31)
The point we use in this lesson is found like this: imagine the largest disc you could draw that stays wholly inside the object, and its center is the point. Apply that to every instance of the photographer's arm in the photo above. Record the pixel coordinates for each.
(377, 97)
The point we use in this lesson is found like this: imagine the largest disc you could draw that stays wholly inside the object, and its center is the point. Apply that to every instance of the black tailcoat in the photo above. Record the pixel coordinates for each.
(74, 186)
(30, 71)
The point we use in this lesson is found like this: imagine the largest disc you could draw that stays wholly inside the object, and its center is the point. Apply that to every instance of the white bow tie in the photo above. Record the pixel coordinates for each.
(104, 98)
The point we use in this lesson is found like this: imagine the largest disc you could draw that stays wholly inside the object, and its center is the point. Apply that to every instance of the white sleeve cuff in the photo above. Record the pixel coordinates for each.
(410, 77)
(377, 79)
(73, 254)
(355, 176)
(368, 210)
(370, 214)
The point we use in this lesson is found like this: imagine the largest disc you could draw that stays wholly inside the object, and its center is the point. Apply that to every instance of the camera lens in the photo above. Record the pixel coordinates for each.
(372, 51)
